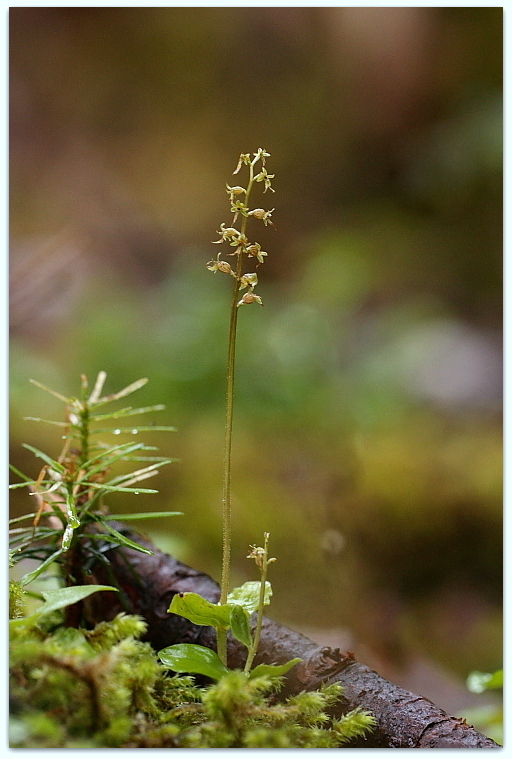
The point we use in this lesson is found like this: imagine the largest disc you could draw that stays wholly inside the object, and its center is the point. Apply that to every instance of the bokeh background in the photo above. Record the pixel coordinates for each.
(368, 436)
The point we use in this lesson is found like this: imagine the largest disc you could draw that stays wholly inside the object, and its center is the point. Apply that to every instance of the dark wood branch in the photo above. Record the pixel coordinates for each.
(147, 585)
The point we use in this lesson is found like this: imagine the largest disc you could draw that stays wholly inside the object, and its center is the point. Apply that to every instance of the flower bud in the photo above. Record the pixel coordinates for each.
(235, 190)
(244, 158)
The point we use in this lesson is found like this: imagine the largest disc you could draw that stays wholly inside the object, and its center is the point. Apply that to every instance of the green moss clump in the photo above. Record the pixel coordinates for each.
(16, 600)
(16, 595)
(92, 684)
(242, 713)
(104, 688)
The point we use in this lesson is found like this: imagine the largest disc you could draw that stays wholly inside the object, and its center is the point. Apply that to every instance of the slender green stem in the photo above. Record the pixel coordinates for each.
(228, 439)
(226, 489)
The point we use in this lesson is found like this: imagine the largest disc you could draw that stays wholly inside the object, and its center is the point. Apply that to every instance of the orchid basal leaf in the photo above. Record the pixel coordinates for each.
(193, 659)
(200, 611)
(248, 595)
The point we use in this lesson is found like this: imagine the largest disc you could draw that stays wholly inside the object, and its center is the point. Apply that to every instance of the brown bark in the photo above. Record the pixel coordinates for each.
(147, 585)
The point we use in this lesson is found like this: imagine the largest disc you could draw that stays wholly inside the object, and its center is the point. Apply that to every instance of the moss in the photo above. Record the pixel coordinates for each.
(79, 688)
(105, 688)
(16, 600)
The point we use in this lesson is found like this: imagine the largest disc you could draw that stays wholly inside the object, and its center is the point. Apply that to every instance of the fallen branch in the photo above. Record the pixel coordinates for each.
(147, 585)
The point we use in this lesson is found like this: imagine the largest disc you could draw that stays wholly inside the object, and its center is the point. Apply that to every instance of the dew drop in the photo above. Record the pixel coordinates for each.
(134, 431)
(136, 492)
(116, 432)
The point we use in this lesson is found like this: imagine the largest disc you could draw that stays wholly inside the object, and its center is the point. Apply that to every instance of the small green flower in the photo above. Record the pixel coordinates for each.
(264, 177)
(260, 213)
(235, 190)
(223, 266)
(231, 235)
(259, 554)
(250, 297)
(248, 280)
(261, 154)
(238, 207)
(255, 250)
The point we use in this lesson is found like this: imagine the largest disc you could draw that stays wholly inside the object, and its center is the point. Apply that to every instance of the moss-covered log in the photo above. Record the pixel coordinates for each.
(147, 584)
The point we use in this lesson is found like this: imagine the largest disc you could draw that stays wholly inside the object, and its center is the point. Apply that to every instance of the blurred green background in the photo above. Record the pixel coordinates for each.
(368, 435)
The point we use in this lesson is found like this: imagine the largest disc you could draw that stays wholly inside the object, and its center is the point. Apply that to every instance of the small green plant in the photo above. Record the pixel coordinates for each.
(97, 688)
(69, 491)
(234, 608)
(237, 238)
(103, 687)
(234, 615)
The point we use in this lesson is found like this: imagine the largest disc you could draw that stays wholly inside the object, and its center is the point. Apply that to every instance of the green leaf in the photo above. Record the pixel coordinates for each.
(122, 393)
(121, 540)
(105, 459)
(41, 455)
(46, 421)
(150, 458)
(240, 626)
(24, 477)
(189, 658)
(135, 430)
(117, 488)
(129, 411)
(22, 519)
(146, 515)
(25, 538)
(138, 474)
(103, 537)
(98, 387)
(36, 572)
(58, 599)
(26, 484)
(67, 401)
(248, 595)
(200, 611)
(273, 670)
